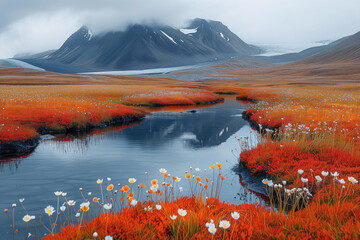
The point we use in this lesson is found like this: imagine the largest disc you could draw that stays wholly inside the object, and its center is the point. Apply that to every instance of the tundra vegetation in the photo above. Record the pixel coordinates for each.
(308, 155)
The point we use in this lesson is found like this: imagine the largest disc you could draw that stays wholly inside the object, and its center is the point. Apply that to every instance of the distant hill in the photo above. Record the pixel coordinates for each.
(293, 57)
(345, 50)
(31, 55)
(145, 46)
(13, 63)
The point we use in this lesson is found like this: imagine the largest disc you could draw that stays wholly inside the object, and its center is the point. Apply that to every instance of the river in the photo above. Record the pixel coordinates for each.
(172, 140)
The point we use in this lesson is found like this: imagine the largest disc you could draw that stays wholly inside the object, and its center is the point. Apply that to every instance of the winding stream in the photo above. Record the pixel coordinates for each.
(171, 140)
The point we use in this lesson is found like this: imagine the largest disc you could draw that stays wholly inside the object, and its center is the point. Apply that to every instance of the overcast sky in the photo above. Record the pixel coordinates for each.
(39, 25)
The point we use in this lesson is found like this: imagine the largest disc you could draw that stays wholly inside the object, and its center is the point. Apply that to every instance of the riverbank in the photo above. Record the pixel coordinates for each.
(254, 222)
(55, 103)
(312, 135)
(200, 217)
(22, 147)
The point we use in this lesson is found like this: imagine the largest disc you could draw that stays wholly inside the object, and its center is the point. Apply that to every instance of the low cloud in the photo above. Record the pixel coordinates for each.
(37, 25)
(36, 33)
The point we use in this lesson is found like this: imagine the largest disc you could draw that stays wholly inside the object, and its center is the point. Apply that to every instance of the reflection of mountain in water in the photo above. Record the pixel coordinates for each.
(205, 128)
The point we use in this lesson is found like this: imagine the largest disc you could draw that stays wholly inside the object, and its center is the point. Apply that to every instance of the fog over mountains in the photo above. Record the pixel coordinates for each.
(145, 46)
(157, 46)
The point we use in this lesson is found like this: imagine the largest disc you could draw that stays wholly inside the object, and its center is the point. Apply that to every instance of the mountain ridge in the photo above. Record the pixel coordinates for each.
(140, 47)
(145, 46)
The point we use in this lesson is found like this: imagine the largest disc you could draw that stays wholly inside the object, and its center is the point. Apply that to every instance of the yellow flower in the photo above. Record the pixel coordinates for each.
(85, 208)
(110, 187)
(125, 188)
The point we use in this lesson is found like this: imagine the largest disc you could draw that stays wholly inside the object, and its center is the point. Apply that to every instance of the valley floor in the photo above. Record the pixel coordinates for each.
(310, 151)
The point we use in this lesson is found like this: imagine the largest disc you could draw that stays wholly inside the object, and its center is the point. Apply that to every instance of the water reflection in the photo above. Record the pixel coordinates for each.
(11, 164)
(202, 128)
(174, 140)
(197, 128)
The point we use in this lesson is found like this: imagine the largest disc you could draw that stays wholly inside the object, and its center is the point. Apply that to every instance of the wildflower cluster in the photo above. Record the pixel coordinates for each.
(108, 214)
(323, 116)
(280, 160)
(299, 197)
(113, 198)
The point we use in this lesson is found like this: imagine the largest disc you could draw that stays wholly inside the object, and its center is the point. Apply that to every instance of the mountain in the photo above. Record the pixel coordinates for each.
(293, 57)
(145, 46)
(217, 36)
(32, 55)
(13, 63)
(346, 50)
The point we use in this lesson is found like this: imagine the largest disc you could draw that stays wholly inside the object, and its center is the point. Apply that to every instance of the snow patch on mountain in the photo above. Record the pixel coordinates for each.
(222, 35)
(225, 38)
(188, 31)
(169, 37)
(90, 34)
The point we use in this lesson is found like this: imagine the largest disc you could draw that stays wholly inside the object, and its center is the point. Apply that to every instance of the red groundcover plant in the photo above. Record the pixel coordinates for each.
(281, 161)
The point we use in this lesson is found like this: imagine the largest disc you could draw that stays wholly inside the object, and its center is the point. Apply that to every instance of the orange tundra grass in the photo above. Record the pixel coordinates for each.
(317, 221)
(25, 108)
(315, 129)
